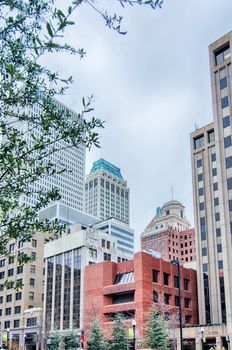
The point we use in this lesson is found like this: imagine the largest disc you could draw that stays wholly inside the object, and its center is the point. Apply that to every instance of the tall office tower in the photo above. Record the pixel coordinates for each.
(211, 148)
(70, 183)
(169, 234)
(106, 192)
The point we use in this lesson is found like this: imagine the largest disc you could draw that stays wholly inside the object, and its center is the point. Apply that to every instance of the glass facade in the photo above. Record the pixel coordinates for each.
(58, 280)
(67, 289)
(76, 288)
(50, 264)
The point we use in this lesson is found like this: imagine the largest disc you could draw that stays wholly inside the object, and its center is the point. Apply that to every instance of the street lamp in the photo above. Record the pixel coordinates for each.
(176, 262)
(134, 339)
(202, 338)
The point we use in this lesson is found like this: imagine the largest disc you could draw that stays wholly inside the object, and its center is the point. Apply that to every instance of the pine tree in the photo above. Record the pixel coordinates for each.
(55, 342)
(156, 332)
(119, 334)
(71, 342)
(97, 341)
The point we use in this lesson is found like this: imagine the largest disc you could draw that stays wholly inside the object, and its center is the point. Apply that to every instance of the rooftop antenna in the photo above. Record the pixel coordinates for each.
(172, 192)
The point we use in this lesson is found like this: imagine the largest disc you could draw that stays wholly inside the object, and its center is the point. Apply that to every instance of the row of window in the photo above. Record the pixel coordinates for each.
(31, 322)
(166, 279)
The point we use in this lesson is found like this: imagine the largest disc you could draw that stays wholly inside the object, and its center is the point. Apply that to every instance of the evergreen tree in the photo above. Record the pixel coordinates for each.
(156, 332)
(97, 341)
(119, 334)
(71, 342)
(55, 342)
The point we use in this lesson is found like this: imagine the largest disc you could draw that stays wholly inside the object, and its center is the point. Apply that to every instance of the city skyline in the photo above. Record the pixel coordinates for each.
(149, 80)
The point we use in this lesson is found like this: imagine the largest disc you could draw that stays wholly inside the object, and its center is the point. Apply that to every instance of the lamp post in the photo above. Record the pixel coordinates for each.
(202, 338)
(134, 339)
(176, 262)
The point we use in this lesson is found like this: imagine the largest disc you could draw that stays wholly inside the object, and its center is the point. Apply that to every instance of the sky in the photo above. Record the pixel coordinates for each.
(151, 87)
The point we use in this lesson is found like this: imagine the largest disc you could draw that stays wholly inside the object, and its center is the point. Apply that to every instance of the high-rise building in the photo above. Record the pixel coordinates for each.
(211, 148)
(169, 234)
(106, 192)
(69, 183)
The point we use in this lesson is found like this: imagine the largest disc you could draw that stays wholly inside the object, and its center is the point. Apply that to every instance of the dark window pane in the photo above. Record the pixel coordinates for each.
(223, 83)
(201, 191)
(218, 232)
(230, 205)
(204, 251)
(199, 163)
(202, 206)
(215, 186)
(216, 201)
(226, 121)
(224, 102)
(220, 264)
(219, 248)
(214, 171)
(205, 267)
(213, 157)
(229, 183)
(227, 141)
(217, 216)
(200, 177)
(228, 162)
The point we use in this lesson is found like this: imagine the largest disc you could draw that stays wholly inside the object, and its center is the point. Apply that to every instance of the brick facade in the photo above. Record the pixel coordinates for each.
(134, 298)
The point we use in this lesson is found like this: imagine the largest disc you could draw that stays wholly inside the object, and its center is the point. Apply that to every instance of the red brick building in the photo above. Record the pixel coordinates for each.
(131, 288)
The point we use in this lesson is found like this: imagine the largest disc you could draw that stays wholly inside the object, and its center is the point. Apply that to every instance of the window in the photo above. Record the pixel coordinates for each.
(155, 296)
(31, 295)
(155, 276)
(32, 268)
(124, 278)
(12, 247)
(176, 301)
(176, 284)
(92, 253)
(123, 298)
(107, 257)
(200, 177)
(200, 191)
(166, 299)
(2, 262)
(2, 275)
(201, 206)
(217, 216)
(218, 232)
(216, 201)
(199, 142)
(224, 102)
(18, 296)
(213, 157)
(32, 282)
(32, 321)
(226, 121)
(223, 83)
(211, 136)
(204, 251)
(219, 248)
(20, 244)
(6, 324)
(215, 186)
(222, 54)
(1, 287)
(108, 244)
(199, 163)
(187, 303)
(1, 300)
(9, 298)
(103, 243)
(20, 269)
(229, 183)
(220, 264)
(167, 212)
(188, 319)
(11, 260)
(186, 284)
(205, 267)
(0, 312)
(227, 141)
(10, 272)
(16, 323)
(166, 278)
(8, 311)
(17, 309)
(34, 243)
(33, 255)
(214, 171)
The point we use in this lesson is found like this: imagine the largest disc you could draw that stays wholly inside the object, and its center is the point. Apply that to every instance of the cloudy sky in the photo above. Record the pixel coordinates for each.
(151, 87)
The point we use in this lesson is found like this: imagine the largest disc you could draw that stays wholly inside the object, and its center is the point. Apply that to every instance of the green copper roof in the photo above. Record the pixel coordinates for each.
(104, 165)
